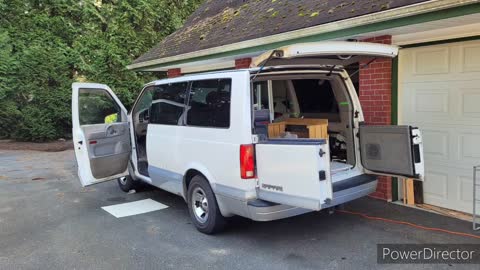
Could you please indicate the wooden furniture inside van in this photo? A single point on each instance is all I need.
(316, 128)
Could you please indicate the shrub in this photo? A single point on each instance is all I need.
(45, 46)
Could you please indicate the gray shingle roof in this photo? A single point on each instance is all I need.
(221, 22)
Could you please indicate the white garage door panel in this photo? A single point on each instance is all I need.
(449, 187)
(435, 143)
(470, 99)
(454, 102)
(458, 144)
(439, 91)
(431, 61)
(470, 58)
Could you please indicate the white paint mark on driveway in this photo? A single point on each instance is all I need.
(134, 208)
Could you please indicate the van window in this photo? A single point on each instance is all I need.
(168, 103)
(145, 100)
(260, 96)
(141, 111)
(315, 96)
(97, 107)
(210, 103)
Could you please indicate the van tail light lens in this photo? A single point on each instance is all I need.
(247, 161)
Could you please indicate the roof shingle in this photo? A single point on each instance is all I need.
(221, 22)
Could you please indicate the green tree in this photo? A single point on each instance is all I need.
(45, 45)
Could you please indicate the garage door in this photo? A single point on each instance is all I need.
(439, 91)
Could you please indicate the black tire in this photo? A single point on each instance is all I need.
(127, 183)
(213, 221)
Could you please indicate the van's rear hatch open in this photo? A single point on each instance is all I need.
(329, 53)
(297, 172)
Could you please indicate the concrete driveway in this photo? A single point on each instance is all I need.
(47, 221)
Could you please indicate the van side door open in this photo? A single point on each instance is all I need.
(392, 150)
(295, 172)
(101, 136)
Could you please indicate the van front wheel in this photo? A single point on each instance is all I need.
(203, 207)
(126, 183)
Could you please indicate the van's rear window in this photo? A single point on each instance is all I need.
(315, 96)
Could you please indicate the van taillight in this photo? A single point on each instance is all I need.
(247, 161)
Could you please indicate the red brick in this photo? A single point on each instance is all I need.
(174, 72)
(243, 63)
(375, 81)
(376, 75)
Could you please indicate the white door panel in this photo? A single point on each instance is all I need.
(294, 174)
(392, 150)
(439, 92)
(101, 134)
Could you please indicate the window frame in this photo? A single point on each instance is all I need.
(187, 105)
(145, 87)
(140, 96)
(302, 111)
(181, 119)
(122, 120)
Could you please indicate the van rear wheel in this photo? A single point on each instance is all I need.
(203, 207)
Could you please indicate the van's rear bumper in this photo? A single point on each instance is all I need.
(343, 191)
(260, 210)
(352, 188)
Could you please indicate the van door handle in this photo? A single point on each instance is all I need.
(322, 175)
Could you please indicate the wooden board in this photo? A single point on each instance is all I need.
(317, 128)
(418, 190)
(446, 212)
(276, 129)
(410, 192)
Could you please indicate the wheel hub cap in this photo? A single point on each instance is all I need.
(200, 205)
(123, 180)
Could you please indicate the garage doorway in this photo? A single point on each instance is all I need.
(439, 91)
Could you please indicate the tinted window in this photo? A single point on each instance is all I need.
(145, 101)
(210, 103)
(315, 96)
(168, 103)
(96, 106)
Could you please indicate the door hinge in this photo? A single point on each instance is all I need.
(321, 153)
(322, 175)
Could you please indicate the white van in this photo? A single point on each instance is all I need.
(208, 137)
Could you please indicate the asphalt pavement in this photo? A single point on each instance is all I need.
(48, 221)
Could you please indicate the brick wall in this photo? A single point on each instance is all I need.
(376, 99)
(243, 63)
(174, 72)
